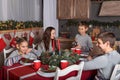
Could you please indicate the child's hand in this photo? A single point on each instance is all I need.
(89, 58)
(23, 55)
(78, 47)
(29, 50)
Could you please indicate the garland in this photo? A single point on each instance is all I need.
(103, 24)
(11, 24)
(93, 22)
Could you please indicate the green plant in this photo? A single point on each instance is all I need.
(48, 58)
(12, 24)
(72, 23)
(103, 24)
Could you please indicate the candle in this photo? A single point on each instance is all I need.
(53, 45)
(58, 44)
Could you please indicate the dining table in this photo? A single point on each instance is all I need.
(26, 72)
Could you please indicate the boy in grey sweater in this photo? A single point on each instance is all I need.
(106, 62)
(83, 40)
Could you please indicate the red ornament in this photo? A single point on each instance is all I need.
(2, 44)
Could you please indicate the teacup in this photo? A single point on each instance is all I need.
(78, 51)
(64, 64)
(36, 64)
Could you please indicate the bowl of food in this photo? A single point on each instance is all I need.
(26, 61)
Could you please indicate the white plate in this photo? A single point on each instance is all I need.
(84, 55)
(44, 74)
(82, 59)
(21, 62)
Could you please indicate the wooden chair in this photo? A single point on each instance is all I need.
(116, 73)
(69, 69)
(7, 51)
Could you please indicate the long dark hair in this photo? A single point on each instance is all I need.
(47, 37)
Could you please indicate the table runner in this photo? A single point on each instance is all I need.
(12, 69)
(17, 72)
(5, 72)
(23, 72)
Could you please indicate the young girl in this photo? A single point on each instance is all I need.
(22, 52)
(48, 41)
(83, 40)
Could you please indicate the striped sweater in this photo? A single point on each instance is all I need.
(15, 57)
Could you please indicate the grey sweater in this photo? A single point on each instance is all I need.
(14, 57)
(105, 64)
(84, 41)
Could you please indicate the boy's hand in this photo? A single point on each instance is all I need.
(29, 50)
(78, 47)
(89, 58)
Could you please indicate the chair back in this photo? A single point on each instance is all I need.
(34, 46)
(63, 72)
(116, 73)
(7, 51)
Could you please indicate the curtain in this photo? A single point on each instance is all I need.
(0, 9)
(49, 14)
(21, 10)
(3, 9)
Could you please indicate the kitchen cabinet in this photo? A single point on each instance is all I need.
(73, 9)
